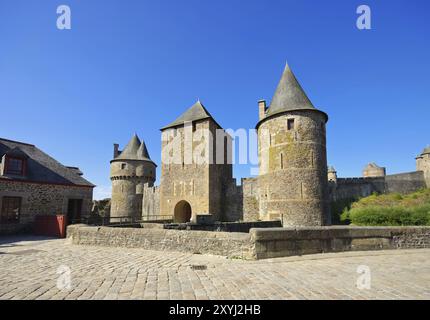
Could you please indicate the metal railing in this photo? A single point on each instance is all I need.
(122, 221)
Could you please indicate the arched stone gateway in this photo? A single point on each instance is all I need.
(182, 212)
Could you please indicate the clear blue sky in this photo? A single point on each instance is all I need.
(134, 66)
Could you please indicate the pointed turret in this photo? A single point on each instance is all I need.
(293, 157)
(131, 171)
(130, 150)
(426, 151)
(289, 96)
(143, 153)
(196, 112)
(332, 174)
(134, 150)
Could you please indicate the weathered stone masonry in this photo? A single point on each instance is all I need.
(258, 243)
(43, 199)
(294, 184)
(132, 171)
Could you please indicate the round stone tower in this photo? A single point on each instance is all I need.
(131, 169)
(332, 174)
(292, 154)
(423, 164)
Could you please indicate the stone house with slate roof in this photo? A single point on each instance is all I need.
(33, 183)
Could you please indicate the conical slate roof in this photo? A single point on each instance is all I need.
(289, 95)
(426, 151)
(196, 112)
(142, 152)
(134, 150)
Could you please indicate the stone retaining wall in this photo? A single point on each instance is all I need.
(233, 245)
(259, 243)
(282, 242)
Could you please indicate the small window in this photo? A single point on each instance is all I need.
(290, 124)
(123, 166)
(15, 166)
(11, 209)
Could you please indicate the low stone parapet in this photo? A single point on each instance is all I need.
(259, 243)
(233, 245)
(282, 242)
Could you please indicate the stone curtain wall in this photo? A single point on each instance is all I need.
(151, 204)
(355, 188)
(283, 242)
(251, 203)
(233, 245)
(233, 203)
(259, 243)
(43, 199)
(240, 203)
(405, 182)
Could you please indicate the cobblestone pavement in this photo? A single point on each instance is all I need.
(31, 268)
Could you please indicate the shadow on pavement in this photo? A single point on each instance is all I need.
(19, 240)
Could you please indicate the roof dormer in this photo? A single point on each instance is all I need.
(14, 163)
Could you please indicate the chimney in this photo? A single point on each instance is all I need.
(115, 150)
(261, 109)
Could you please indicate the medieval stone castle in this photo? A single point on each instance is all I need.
(294, 184)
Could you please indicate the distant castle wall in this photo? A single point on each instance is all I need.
(405, 182)
(242, 201)
(355, 188)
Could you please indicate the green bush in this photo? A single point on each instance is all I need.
(388, 210)
(388, 216)
(338, 208)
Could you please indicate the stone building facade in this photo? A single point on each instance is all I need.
(32, 183)
(193, 179)
(294, 184)
(372, 170)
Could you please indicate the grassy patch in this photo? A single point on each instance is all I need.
(390, 210)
